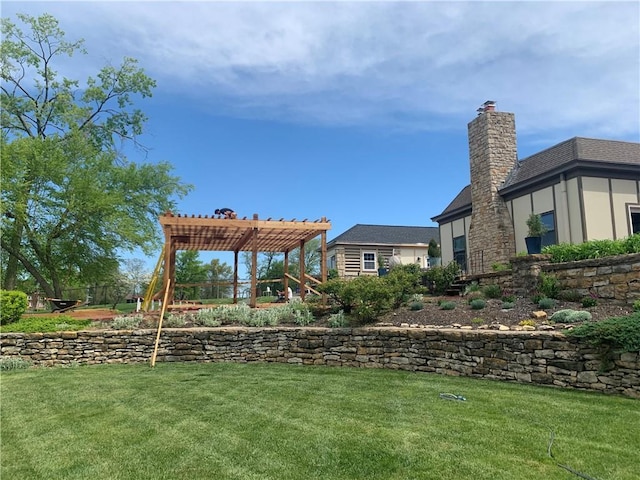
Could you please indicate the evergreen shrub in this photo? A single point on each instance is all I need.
(12, 305)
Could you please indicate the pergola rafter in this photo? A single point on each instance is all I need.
(253, 235)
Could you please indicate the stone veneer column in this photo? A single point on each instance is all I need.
(493, 154)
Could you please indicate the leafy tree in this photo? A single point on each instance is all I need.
(217, 272)
(70, 198)
(190, 269)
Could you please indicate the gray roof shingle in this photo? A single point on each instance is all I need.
(560, 157)
(387, 235)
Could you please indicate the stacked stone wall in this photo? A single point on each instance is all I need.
(543, 358)
(615, 279)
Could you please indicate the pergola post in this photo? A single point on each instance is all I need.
(254, 265)
(323, 260)
(285, 267)
(302, 274)
(235, 276)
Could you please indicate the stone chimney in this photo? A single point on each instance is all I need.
(492, 155)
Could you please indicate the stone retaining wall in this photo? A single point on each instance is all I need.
(615, 279)
(543, 358)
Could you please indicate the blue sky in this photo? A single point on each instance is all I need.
(355, 111)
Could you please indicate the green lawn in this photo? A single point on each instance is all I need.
(272, 421)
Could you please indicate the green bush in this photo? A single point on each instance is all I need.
(492, 291)
(508, 305)
(364, 298)
(546, 303)
(414, 306)
(12, 305)
(566, 252)
(636, 306)
(403, 281)
(548, 286)
(42, 324)
(618, 334)
(500, 267)
(440, 278)
(589, 302)
(447, 305)
(477, 304)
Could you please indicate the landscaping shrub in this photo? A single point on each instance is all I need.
(527, 323)
(548, 286)
(12, 305)
(589, 302)
(130, 322)
(174, 320)
(492, 291)
(546, 303)
(447, 305)
(508, 305)
(618, 334)
(338, 320)
(364, 298)
(403, 281)
(565, 252)
(13, 363)
(472, 287)
(207, 317)
(636, 306)
(440, 278)
(570, 316)
(414, 306)
(477, 304)
(53, 323)
(477, 321)
(500, 267)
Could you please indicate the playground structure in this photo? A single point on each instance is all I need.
(204, 233)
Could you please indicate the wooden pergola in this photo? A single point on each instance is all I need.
(204, 233)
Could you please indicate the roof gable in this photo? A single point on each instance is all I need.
(387, 235)
(575, 152)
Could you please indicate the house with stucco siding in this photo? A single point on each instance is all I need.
(584, 189)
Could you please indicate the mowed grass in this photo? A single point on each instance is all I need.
(272, 421)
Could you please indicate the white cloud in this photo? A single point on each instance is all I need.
(562, 65)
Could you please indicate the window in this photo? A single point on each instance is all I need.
(460, 251)
(549, 221)
(634, 217)
(369, 261)
(332, 262)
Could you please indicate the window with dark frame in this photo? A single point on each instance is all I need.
(549, 221)
(634, 216)
(460, 251)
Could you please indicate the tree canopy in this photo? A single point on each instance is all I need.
(71, 200)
